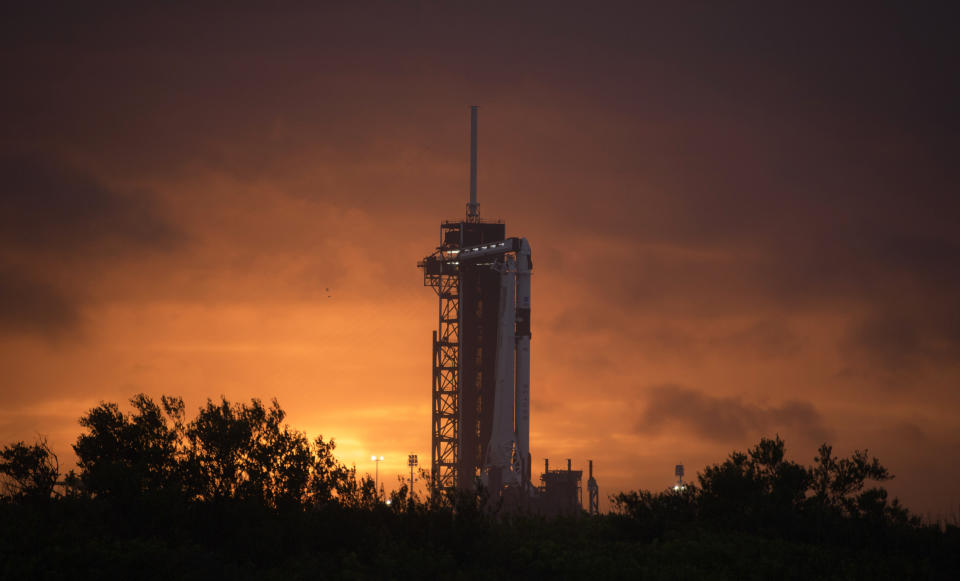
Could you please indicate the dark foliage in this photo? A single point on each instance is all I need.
(229, 451)
(127, 456)
(30, 471)
(234, 493)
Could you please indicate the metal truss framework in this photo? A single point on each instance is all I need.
(446, 383)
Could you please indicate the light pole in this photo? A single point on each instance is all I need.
(376, 482)
(412, 463)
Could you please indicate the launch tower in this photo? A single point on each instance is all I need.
(481, 351)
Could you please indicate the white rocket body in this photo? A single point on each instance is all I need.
(503, 436)
(508, 451)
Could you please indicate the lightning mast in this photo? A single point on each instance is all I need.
(473, 208)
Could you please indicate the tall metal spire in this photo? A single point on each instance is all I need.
(473, 208)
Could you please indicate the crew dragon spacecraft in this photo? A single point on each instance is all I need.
(481, 352)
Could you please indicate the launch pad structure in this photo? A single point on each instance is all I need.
(480, 418)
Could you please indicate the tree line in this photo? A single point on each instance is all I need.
(239, 451)
(761, 491)
(234, 491)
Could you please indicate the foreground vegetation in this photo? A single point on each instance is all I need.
(235, 493)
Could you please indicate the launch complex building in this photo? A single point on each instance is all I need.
(480, 421)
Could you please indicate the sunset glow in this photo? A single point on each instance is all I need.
(728, 242)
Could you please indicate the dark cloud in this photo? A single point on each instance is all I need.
(61, 228)
(726, 419)
(766, 339)
(895, 343)
(893, 283)
(911, 432)
(48, 208)
(33, 306)
(657, 337)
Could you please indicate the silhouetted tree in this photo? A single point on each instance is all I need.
(400, 499)
(838, 486)
(235, 451)
(654, 514)
(759, 489)
(329, 478)
(357, 492)
(245, 451)
(131, 454)
(30, 472)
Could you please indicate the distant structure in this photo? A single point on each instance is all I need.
(412, 462)
(480, 420)
(678, 473)
(594, 493)
(560, 493)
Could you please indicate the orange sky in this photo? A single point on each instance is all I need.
(743, 223)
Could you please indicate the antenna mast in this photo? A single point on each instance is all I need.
(473, 208)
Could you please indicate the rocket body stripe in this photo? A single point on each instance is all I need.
(522, 390)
